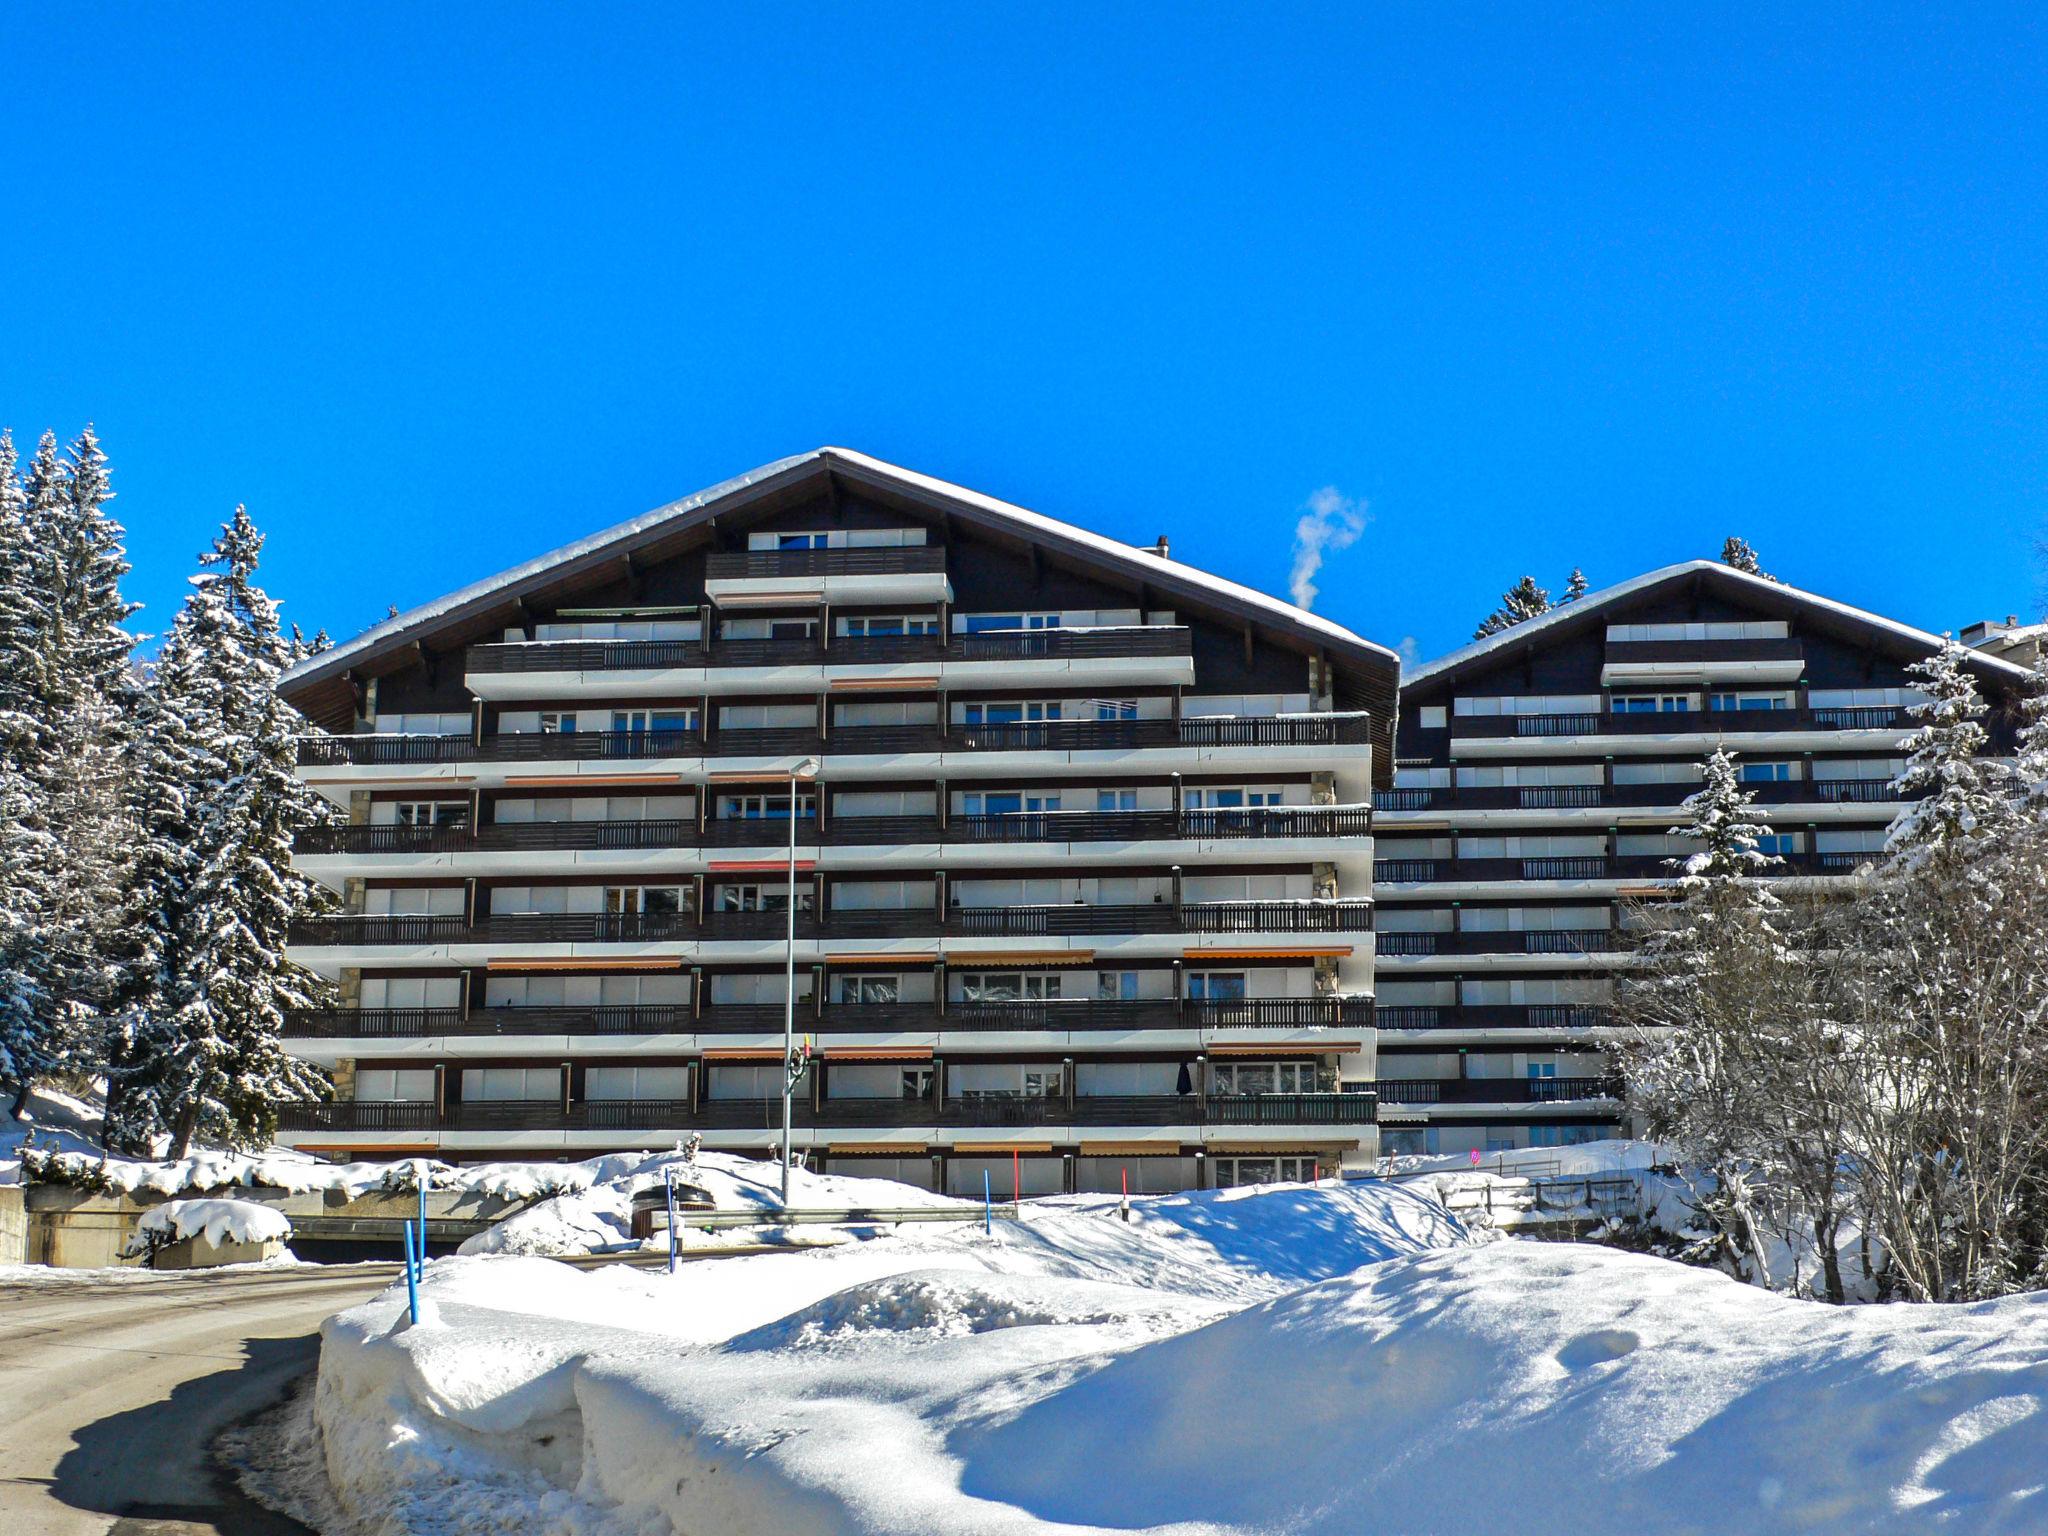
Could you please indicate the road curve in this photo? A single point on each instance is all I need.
(113, 1389)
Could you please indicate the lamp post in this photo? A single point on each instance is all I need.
(807, 769)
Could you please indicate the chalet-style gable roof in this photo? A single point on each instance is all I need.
(449, 621)
(1761, 593)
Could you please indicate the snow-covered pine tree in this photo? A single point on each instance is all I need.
(2030, 757)
(1956, 789)
(1736, 552)
(1520, 603)
(82, 697)
(28, 859)
(1574, 586)
(216, 887)
(1721, 819)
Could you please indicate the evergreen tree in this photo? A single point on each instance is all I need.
(1737, 552)
(1721, 821)
(215, 891)
(2030, 760)
(1574, 586)
(27, 859)
(1520, 603)
(78, 696)
(1957, 791)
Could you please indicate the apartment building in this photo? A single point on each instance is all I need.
(1538, 775)
(1082, 867)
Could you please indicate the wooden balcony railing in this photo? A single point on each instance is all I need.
(967, 1112)
(1625, 796)
(1496, 1016)
(778, 564)
(1494, 1090)
(1678, 722)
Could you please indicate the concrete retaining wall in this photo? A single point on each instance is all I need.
(13, 1225)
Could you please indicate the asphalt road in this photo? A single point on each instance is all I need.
(112, 1392)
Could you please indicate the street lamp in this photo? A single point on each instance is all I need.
(792, 1069)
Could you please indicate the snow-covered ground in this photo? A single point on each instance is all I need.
(1335, 1359)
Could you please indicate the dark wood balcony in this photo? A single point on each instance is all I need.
(415, 1023)
(1077, 919)
(782, 564)
(368, 748)
(975, 1111)
(1592, 866)
(1511, 941)
(1564, 1016)
(1624, 796)
(1682, 722)
(1493, 1090)
(1642, 652)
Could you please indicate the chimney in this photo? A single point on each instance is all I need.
(1159, 549)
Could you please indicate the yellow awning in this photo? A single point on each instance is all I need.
(1022, 957)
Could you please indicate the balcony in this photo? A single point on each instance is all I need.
(1563, 1016)
(370, 749)
(1495, 1090)
(421, 1023)
(1679, 722)
(810, 564)
(1071, 920)
(977, 1111)
(1634, 867)
(1511, 941)
(1495, 797)
(1256, 824)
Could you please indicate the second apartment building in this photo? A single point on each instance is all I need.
(1538, 776)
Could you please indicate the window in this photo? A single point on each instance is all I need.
(763, 1080)
(1116, 800)
(646, 900)
(1011, 713)
(1248, 1077)
(1008, 1080)
(432, 813)
(1008, 987)
(1542, 1071)
(1656, 773)
(803, 540)
(1116, 986)
(986, 623)
(877, 1080)
(1653, 703)
(638, 722)
(1430, 717)
(1008, 802)
(1740, 629)
(768, 807)
(889, 624)
(1217, 986)
(636, 1082)
(863, 990)
(556, 722)
(1231, 1172)
(1116, 709)
(395, 1085)
(1781, 843)
(481, 1085)
(760, 898)
(1769, 773)
(1749, 700)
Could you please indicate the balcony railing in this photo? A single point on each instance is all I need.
(1495, 797)
(1681, 722)
(417, 1023)
(779, 564)
(1523, 941)
(967, 1111)
(1076, 919)
(1565, 1016)
(1633, 866)
(1494, 1090)
(1258, 823)
(1326, 730)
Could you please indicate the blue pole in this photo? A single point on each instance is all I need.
(412, 1286)
(421, 1250)
(988, 1209)
(671, 1224)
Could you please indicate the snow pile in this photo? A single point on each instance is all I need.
(220, 1222)
(1317, 1361)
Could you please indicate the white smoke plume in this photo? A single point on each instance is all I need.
(1331, 522)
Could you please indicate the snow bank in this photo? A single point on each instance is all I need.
(218, 1221)
(1318, 1361)
(612, 1400)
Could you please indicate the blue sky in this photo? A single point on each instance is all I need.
(433, 288)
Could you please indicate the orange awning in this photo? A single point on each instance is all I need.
(1167, 1148)
(759, 866)
(591, 780)
(878, 1053)
(756, 776)
(883, 685)
(1002, 1146)
(877, 1148)
(742, 1053)
(1315, 1047)
(878, 957)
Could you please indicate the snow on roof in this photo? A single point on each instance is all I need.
(1517, 633)
(1136, 557)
